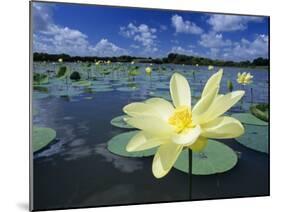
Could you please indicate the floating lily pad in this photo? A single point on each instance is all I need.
(118, 143)
(107, 89)
(127, 89)
(39, 95)
(260, 111)
(248, 118)
(67, 92)
(100, 83)
(62, 73)
(82, 83)
(41, 137)
(255, 137)
(40, 78)
(161, 94)
(215, 158)
(162, 86)
(119, 122)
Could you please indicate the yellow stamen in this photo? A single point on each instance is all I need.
(181, 119)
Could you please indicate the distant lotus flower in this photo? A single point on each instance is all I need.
(60, 60)
(133, 62)
(108, 62)
(197, 65)
(210, 67)
(172, 127)
(148, 70)
(97, 63)
(244, 78)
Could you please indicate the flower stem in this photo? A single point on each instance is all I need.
(252, 95)
(190, 173)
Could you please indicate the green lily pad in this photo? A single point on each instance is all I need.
(119, 122)
(107, 89)
(127, 89)
(260, 111)
(39, 95)
(161, 94)
(215, 158)
(82, 83)
(62, 73)
(41, 137)
(40, 78)
(255, 137)
(118, 143)
(248, 118)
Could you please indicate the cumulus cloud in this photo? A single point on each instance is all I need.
(248, 50)
(185, 26)
(51, 38)
(142, 34)
(221, 23)
(181, 50)
(104, 47)
(214, 40)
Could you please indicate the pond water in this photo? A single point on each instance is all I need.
(77, 170)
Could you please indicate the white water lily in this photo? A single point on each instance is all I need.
(244, 78)
(60, 60)
(172, 127)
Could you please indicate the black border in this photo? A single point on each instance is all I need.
(31, 208)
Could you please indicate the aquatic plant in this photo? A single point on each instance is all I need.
(174, 127)
(75, 76)
(40, 78)
(148, 70)
(244, 78)
(229, 85)
(260, 111)
(210, 67)
(62, 72)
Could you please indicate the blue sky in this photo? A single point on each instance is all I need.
(112, 31)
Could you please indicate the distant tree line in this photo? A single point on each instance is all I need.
(171, 58)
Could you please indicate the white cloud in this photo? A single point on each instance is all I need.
(54, 39)
(142, 34)
(214, 40)
(106, 48)
(221, 23)
(248, 50)
(185, 26)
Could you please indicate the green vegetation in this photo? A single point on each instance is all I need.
(171, 58)
(215, 158)
(75, 76)
(41, 137)
(39, 78)
(62, 72)
(260, 111)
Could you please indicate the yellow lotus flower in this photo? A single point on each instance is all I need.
(148, 70)
(210, 67)
(172, 127)
(60, 60)
(244, 78)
